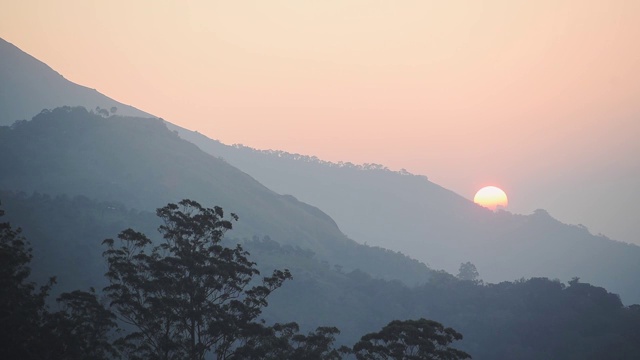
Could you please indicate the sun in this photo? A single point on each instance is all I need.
(491, 197)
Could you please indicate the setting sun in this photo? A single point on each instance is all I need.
(491, 197)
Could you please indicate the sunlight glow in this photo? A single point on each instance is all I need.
(491, 197)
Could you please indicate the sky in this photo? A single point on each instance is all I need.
(540, 98)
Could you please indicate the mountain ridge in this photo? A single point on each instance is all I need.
(29, 86)
(410, 214)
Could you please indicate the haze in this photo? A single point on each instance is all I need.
(539, 98)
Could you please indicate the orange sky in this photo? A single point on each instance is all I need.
(537, 97)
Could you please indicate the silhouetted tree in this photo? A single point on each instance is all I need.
(83, 329)
(410, 340)
(22, 305)
(28, 330)
(283, 341)
(189, 295)
(102, 112)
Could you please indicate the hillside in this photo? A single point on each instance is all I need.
(139, 163)
(410, 214)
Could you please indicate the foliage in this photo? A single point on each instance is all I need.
(83, 328)
(189, 295)
(22, 305)
(283, 341)
(28, 330)
(410, 340)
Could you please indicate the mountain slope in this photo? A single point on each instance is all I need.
(139, 163)
(29, 85)
(410, 214)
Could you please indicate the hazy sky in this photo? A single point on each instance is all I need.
(541, 98)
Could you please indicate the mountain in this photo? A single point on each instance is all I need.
(372, 205)
(410, 214)
(29, 85)
(138, 162)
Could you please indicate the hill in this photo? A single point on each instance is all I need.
(139, 163)
(410, 214)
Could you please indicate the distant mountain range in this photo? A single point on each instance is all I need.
(394, 210)
(410, 214)
(72, 177)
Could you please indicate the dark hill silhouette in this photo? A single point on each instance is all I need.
(29, 85)
(410, 214)
(139, 163)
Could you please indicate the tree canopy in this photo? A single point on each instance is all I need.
(410, 340)
(189, 295)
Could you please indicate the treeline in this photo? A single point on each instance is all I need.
(315, 160)
(535, 318)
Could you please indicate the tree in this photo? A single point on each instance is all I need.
(28, 330)
(468, 272)
(22, 305)
(283, 341)
(410, 340)
(317, 345)
(83, 329)
(102, 112)
(189, 295)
